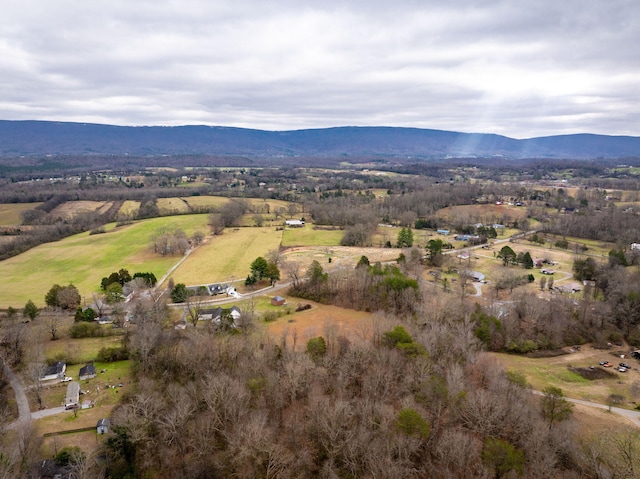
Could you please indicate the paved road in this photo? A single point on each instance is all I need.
(632, 416)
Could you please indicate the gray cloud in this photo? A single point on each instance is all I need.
(516, 68)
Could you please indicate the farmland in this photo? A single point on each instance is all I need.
(84, 259)
(227, 257)
(10, 213)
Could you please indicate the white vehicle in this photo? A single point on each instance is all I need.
(66, 379)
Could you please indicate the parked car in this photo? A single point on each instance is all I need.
(66, 379)
(624, 365)
(622, 370)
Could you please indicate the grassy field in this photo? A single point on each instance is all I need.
(10, 213)
(172, 205)
(259, 205)
(129, 208)
(79, 351)
(85, 259)
(543, 372)
(227, 257)
(310, 236)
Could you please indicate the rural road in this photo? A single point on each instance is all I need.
(633, 416)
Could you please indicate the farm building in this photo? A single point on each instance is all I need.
(87, 372)
(55, 371)
(278, 301)
(73, 395)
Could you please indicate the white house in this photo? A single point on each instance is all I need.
(55, 371)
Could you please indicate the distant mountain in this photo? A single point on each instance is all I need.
(39, 138)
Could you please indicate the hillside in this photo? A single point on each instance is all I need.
(39, 138)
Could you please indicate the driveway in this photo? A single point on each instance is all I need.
(47, 412)
(24, 413)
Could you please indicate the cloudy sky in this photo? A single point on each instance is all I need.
(520, 68)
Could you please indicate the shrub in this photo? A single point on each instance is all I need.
(86, 330)
(316, 347)
(69, 455)
(112, 354)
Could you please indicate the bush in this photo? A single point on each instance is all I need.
(271, 315)
(86, 330)
(316, 347)
(110, 355)
(69, 455)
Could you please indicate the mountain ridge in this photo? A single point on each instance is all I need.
(33, 138)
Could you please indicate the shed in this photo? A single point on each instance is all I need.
(87, 372)
(103, 426)
(278, 301)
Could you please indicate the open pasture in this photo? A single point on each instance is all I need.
(11, 213)
(172, 206)
(257, 205)
(310, 235)
(85, 259)
(227, 257)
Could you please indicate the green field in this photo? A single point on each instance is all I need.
(172, 205)
(227, 257)
(10, 213)
(308, 236)
(85, 259)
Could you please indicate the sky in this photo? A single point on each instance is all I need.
(518, 68)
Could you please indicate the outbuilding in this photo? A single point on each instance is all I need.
(278, 301)
(103, 426)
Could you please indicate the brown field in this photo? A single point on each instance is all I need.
(320, 320)
(341, 256)
(72, 208)
(130, 208)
